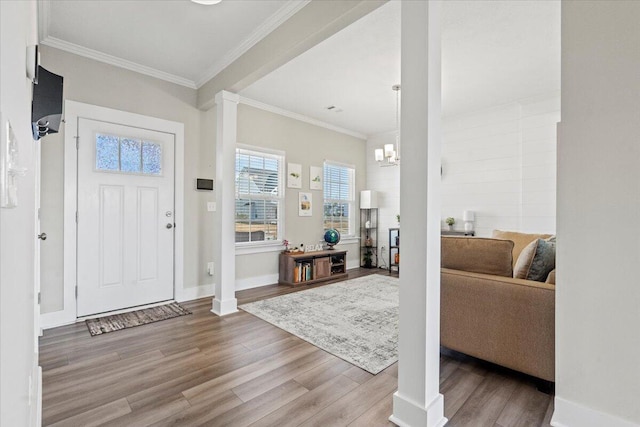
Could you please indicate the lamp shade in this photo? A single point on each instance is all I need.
(468, 216)
(368, 199)
(388, 150)
(379, 155)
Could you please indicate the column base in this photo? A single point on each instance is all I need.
(222, 308)
(407, 413)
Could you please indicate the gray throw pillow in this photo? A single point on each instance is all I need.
(536, 261)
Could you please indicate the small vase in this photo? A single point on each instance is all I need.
(451, 228)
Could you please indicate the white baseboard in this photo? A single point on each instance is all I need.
(35, 395)
(407, 413)
(56, 318)
(267, 279)
(571, 414)
(222, 308)
(195, 292)
(256, 281)
(65, 317)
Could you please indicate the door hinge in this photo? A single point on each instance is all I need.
(77, 142)
(76, 217)
(39, 298)
(76, 291)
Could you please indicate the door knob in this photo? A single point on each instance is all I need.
(169, 225)
(42, 236)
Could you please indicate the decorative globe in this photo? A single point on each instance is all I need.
(332, 237)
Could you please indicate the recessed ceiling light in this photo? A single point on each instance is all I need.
(207, 2)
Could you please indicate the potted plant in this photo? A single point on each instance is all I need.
(367, 259)
(398, 219)
(450, 221)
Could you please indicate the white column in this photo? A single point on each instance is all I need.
(224, 254)
(418, 401)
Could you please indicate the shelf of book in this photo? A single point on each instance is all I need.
(305, 268)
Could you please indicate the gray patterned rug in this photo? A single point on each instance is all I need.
(356, 320)
(116, 322)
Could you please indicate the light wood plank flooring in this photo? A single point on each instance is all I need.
(241, 371)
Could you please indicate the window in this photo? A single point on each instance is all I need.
(259, 196)
(339, 198)
(128, 155)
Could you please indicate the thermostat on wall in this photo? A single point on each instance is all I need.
(204, 184)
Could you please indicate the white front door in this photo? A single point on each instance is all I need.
(125, 216)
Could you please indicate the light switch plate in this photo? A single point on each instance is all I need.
(211, 206)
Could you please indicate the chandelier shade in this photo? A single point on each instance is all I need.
(391, 152)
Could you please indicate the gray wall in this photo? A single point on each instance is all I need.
(93, 82)
(100, 84)
(308, 145)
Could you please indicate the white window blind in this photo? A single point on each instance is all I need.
(339, 198)
(259, 196)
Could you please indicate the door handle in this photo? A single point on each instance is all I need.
(42, 236)
(169, 225)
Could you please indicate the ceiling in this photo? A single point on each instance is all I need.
(177, 40)
(493, 52)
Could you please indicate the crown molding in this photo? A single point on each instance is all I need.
(273, 22)
(300, 117)
(44, 19)
(115, 61)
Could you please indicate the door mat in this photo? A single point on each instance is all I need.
(116, 322)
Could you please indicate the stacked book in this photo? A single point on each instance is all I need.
(302, 272)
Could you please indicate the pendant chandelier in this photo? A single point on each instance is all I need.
(390, 155)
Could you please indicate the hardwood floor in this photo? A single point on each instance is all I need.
(241, 371)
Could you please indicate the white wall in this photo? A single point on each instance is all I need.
(18, 353)
(308, 145)
(93, 82)
(386, 181)
(499, 162)
(598, 297)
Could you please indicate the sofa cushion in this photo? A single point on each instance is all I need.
(520, 240)
(536, 260)
(477, 255)
(551, 278)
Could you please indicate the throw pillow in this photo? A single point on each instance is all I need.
(536, 261)
(520, 240)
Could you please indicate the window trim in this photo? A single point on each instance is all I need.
(352, 236)
(260, 246)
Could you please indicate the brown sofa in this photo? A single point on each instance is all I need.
(488, 314)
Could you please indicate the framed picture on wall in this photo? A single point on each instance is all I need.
(305, 207)
(294, 175)
(315, 178)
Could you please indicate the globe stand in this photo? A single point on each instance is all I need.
(332, 238)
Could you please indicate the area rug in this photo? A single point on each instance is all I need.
(116, 322)
(356, 320)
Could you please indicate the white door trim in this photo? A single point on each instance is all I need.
(73, 111)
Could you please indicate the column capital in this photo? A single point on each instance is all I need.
(225, 95)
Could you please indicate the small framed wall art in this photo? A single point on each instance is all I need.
(315, 178)
(294, 175)
(305, 207)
